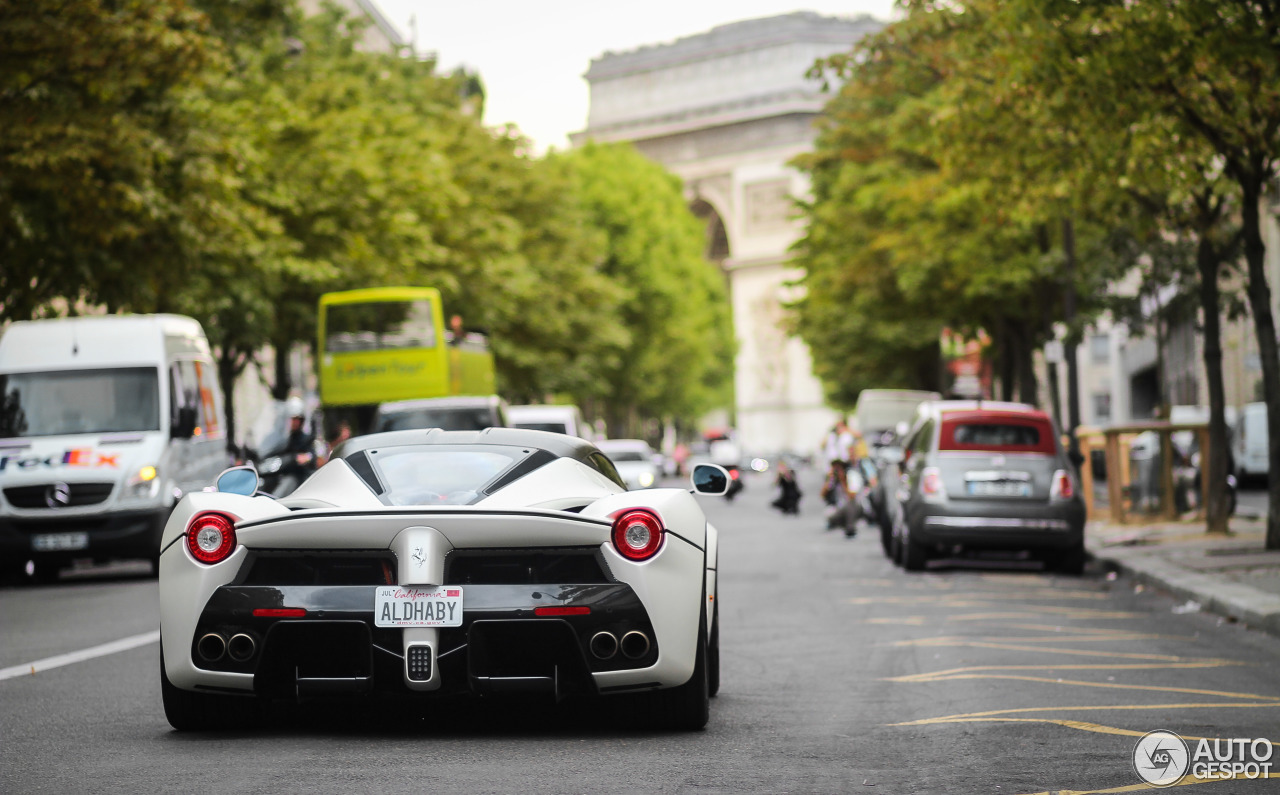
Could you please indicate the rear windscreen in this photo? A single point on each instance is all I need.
(997, 435)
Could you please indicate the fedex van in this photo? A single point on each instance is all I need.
(105, 422)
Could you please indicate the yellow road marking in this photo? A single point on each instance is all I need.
(914, 621)
(1185, 782)
(965, 717)
(953, 641)
(924, 677)
(1112, 685)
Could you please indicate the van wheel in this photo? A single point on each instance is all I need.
(44, 572)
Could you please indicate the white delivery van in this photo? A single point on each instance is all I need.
(1252, 447)
(557, 419)
(105, 422)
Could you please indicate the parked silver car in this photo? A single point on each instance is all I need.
(988, 476)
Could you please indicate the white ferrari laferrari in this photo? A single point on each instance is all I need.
(431, 564)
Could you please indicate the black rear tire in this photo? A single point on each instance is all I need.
(187, 711)
(914, 554)
(687, 707)
(713, 652)
(1071, 562)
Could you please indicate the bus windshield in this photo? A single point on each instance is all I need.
(379, 326)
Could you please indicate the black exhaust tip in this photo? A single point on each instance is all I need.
(604, 645)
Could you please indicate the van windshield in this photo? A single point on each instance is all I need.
(79, 401)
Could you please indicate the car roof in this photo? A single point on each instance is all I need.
(557, 444)
(986, 413)
(461, 401)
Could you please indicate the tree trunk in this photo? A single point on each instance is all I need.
(1265, 328)
(229, 369)
(1214, 460)
(1069, 344)
(1028, 388)
(280, 390)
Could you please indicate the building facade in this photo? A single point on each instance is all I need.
(727, 111)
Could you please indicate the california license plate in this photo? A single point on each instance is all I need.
(999, 488)
(406, 606)
(59, 542)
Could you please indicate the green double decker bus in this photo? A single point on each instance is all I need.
(391, 343)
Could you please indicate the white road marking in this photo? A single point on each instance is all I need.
(124, 644)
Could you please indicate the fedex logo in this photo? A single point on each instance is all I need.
(79, 457)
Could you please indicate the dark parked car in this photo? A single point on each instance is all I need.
(988, 476)
(462, 413)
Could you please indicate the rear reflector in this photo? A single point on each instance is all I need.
(279, 612)
(561, 611)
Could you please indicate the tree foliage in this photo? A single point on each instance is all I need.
(234, 159)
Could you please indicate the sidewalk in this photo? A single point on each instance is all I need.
(1231, 576)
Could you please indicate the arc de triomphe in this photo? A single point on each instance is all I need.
(725, 111)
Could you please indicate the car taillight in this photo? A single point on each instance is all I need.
(1062, 488)
(931, 484)
(211, 537)
(733, 473)
(637, 535)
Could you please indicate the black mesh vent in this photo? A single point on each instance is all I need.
(307, 567)
(524, 567)
(38, 496)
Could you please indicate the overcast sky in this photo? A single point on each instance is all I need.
(532, 54)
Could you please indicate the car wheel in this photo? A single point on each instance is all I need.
(1071, 562)
(886, 540)
(44, 572)
(914, 555)
(687, 707)
(188, 711)
(713, 652)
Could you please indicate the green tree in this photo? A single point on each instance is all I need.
(678, 360)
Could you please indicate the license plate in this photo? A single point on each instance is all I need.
(405, 606)
(999, 488)
(60, 542)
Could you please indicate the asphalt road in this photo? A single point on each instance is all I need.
(841, 673)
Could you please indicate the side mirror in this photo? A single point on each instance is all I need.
(184, 426)
(710, 479)
(239, 480)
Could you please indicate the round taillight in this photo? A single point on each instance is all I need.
(637, 535)
(211, 537)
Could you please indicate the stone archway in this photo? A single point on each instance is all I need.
(727, 111)
(717, 248)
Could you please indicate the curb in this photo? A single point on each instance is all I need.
(1250, 606)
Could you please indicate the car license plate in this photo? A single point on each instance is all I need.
(999, 488)
(60, 542)
(406, 606)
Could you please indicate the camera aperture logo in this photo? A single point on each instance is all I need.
(1162, 758)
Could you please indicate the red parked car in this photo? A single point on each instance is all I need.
(981, 476)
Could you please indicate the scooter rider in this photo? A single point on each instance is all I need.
(298, 454)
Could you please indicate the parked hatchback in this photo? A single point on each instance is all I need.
(980, 476)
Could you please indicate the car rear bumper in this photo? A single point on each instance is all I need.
(990, 526)
(502, 647)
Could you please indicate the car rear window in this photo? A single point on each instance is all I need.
(1003, 435)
